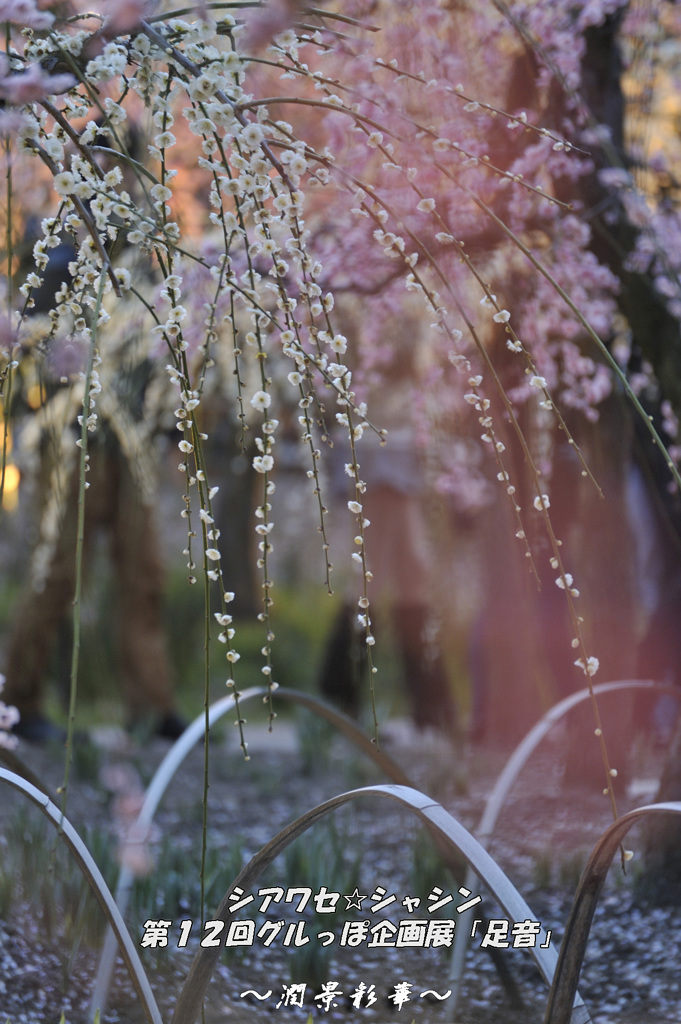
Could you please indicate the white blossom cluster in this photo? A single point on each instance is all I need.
(9, 716)
(263, 305)
(267, 297)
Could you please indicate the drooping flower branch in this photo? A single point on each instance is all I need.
(233, 176)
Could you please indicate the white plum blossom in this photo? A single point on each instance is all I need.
(591, 666)
(252, 136)
(261, 400)
(263, 463)
(64, 183)
(538, 382)
(124, 278)
(9, 716)
(339, 344)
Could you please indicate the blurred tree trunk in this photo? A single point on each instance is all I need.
(657, 337)
(232, 470)
(504, 658)
(602, 541)
(661, 878)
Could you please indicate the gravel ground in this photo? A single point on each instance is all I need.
(542, 838)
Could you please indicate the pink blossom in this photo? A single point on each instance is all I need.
(34, 84)
(10, 122)
(122, 16)
(25, 13)
(274, 18)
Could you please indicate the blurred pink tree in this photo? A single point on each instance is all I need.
(296, 173)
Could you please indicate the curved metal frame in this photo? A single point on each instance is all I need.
(438, 820)
(508, 776)
(93, 877)
(172, 761)
(573, 946)
(531, 741)
(564, 1006)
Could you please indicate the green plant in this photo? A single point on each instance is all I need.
(427, 870)
(87, 759)
(331, 858)
(310, 964)
(570, 869)
(7, 887)
(174, 885)
(543, 869)
(45, 876)
(314, 736)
